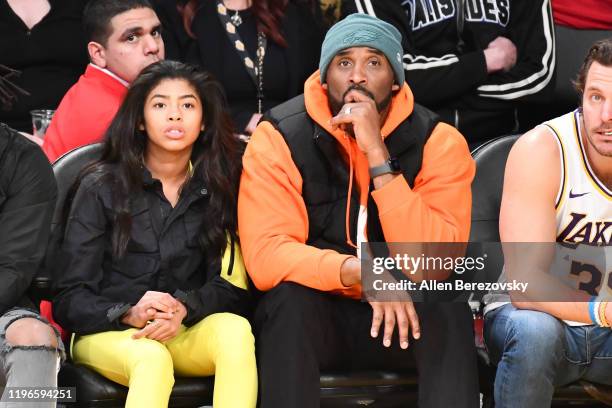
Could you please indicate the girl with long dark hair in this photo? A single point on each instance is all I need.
(261, 51)
(152, 280)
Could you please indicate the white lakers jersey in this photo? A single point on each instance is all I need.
(583, 211)
(583, 251)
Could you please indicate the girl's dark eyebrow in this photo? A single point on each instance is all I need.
(167, 97)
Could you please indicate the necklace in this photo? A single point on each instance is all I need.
(253, 64)
(261, 53)
(236, 19)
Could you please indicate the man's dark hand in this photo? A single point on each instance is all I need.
(390, 313)
(361, 114)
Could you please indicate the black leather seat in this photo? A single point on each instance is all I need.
(487, 186)
(66, 168)
(384, 389)
(93, 390)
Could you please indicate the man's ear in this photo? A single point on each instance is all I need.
(324, 86)
(141, 127)
(395, 87)
(97, 54)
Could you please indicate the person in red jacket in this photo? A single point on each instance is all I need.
(124, 37)
(353, 161)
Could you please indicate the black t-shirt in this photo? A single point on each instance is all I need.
(50, 56)
(240, 89)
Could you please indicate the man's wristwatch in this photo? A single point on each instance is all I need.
(391, 166)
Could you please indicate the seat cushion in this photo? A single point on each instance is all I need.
(338, 379)
(363, 388)
(337, 388)
(93, 390)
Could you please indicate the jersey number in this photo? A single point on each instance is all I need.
(579, 268)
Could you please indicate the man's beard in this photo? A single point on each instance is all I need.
(590, 135)
(335, 105)
(598, 149)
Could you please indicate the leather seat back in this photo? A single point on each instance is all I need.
(66, 170)
(487, 190)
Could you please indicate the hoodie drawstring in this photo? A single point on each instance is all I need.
(348, 197)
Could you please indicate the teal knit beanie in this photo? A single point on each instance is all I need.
(362, 30)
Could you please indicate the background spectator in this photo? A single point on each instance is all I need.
(578, 24)
(124, 37)
(29, 348)
(472, 68)
(331, 11)
(194, 32)
(44, 40)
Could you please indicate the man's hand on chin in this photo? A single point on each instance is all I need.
(361, 114)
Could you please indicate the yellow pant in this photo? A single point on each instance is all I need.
(221, 345)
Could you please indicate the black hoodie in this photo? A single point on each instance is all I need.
(448, 74)
(27, 199)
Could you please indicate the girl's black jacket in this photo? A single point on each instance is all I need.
(94, 288)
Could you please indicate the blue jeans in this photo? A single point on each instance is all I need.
(536, 352)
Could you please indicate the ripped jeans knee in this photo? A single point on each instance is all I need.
(34, 361)
(14, 315)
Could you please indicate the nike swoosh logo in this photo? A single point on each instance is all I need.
(572, 195)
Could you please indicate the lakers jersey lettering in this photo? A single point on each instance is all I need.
(580, 231)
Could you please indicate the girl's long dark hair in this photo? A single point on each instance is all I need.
(216, 156)
(268, 14)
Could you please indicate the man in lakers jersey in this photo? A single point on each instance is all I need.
(558, 189)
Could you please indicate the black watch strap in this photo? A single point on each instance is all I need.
(391, 166)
